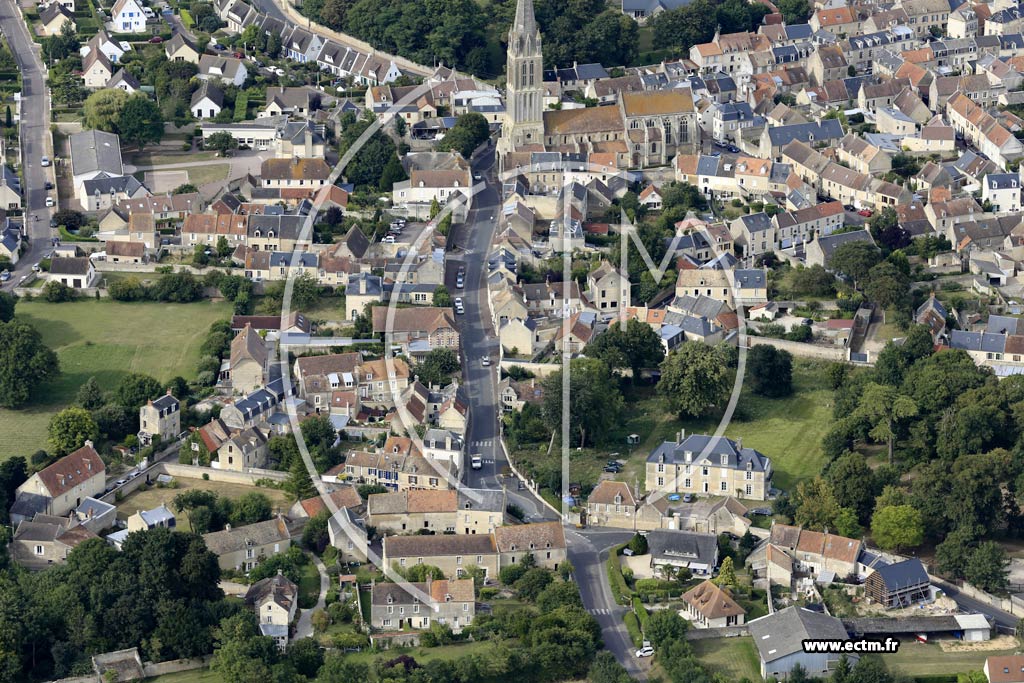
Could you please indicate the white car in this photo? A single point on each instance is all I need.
(45, 161)
(646, 651)
(49, 201)
(476, 462)
(388, 239)
(486, 361)
(458, 302)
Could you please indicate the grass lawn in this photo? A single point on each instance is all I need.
(922, 659)
(194, 676)
(734, 657)
(153, 497)
(156, 158)
(364, 605)
(309, 586)
(201, 175)
(788, 430)
(422, 655)
(108, 340)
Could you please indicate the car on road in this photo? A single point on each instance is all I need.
(53, 222)
(36, 268)
(733, 149)
(458, 302)
(218, 46)
(5, 276)
(687, 497)
(460, 282)
(719, 144)
(45, 161)
(485, 361)
(49, 185)
(477, 176)
(49, 201)
(476, 462)
(715, 154)
(646, 651)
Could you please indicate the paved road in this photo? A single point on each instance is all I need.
(35, 138)
(304, 628)
(588, 552)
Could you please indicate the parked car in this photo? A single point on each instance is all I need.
(733, 149)
(156, 40)
(485, 361)
(49, 201)
(687, 497)
(36, 268)
(613, 469)
(238, 55)
(807, 321)
(646, 651)
(278, 71)
(49, 185)
(867, 213)
(5, 276)
(849, 207)
(44, 161)
(388, 239)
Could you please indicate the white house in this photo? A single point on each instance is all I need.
(226, 69)
(128, 16)
(1002, 191)
(207, 101)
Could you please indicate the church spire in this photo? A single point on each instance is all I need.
(525, 22)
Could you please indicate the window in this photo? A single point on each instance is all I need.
(401, 562)
(458, 559)
(686, 483)
(661, 481)
(725, 486)
(39, 550)
(749, 489)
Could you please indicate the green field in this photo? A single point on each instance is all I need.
(736, 658)
(108, 340)
(924, 659)
(309, 586)
(194, 676)
(788, 430)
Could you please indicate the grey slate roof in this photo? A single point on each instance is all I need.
(828, 129)
(903, 574)
(751, 277)
(682, 545)
(1002, 181)
(782, 634)
(829, 243)
(756, 222)
(95, 150)
(107, 184)
(1001, 324)
(695, 444)
(208, 89)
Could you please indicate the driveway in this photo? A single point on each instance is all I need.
(304, 629)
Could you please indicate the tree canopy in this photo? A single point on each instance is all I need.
(694, 378)
(25, 362)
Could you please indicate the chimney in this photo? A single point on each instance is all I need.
(88, 443)
(227, 527)
(308, 138)
(362, 284)
(448, 441)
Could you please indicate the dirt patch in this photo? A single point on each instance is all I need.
(997, 643)
(160, 182)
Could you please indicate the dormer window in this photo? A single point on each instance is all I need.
(725, 460)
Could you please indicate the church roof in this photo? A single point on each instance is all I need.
(588, 120)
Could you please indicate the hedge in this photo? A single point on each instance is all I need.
(655, 585)
(69, 237)
(633, 626)
(241, 106)
(186, 19)
(620, 591)
(641, 612)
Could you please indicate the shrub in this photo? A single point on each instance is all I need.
(641, 612)
(633, 626)
(615, 578)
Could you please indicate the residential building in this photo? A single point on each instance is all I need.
(704, 464)
(428, 326)
(396, 607)
(607, 289)
(227, 70)
(207, 101)
(275, 601)
(249, 358)
(819, 251)
(160, 417)
(452, 554)
(242, 548)
(544, 541)
(691, 550)
(613, 504)
(180, 49)
(46, 540)
(62, 486)
(127, 16)
(1002, 192)
(1004, 668)
(144, 520)
(708, 606)
(76, 272)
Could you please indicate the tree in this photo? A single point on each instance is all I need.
(638, 544)
(664, 625)
(141, 121)
(393, 172)
(897, 527)
(886, 230)
(135, 389)
(816, 506)
(794, 11)
(693, 379)
(70, 428)
(886, 409)
(7, 303)
(223, 247)
(241, 654)
(306, 656)
(69, 218)
(954, 553)
(442, 298)
(435, 208)
(530, 584)
(468, 133)
(222, 141)
(847, 524)
(853, 484)
(299, 484)
(305, 291)
(769, 371)
(102, 109)
(854, 259)
(637, 346)
(57, 292)
(595, 402)
(726, 574)
(987, 567)
(437, 367)
(606, 669)
(25, 363)
(886, 285)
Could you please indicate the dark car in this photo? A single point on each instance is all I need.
(156, 40)
(733, 149)
(807, 321)
(613, 469)
(849, 207)
(49, 185)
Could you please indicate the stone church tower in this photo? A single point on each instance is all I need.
(523, 125)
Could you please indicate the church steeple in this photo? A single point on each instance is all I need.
(524, 84)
